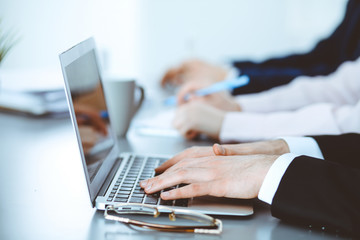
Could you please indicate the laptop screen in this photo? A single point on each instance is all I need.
(88, 110)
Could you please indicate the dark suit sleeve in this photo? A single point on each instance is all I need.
(326, 56)
(344, 149)
(319, 193)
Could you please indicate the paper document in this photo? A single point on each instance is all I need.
(33, 92)
(158, 125)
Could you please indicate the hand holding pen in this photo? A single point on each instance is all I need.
(205, 112)
(196, 89)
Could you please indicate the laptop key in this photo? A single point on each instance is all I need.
(140, 191)
(128, 181)
(138, 195)
(132, 175)
(181, 202)
(166, 202)
(135, 200)
(124, 192)
(151, 200)
(123, 200)
(122, 195)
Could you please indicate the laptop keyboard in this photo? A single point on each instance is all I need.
(128, 190)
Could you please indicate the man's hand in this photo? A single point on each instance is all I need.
(221, 100)
(194, 70)
(219, 176)
(271, 147)
(196, 117)
(193, 152)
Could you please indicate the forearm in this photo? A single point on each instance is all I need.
(343, 149)
(296, 146)
(244, 127)
(313, 192)
(341, 87)
(298, 61)
(319, 193)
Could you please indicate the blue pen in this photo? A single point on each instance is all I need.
(216, 87)
(104, 114)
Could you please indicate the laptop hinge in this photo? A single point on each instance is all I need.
(110, 177)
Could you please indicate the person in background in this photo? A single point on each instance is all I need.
(342, 45)
(312, 181)
(306, 106)
(309, 105)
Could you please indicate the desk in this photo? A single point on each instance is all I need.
(44, 195)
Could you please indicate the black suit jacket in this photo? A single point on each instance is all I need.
(323, 193)
(342, 45)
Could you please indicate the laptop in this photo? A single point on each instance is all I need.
(112, 176)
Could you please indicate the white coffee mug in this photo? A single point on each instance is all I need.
(121, 103)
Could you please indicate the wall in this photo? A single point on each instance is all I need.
(218, 30)
(144, 37)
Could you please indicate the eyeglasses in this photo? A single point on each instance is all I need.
(209, 224)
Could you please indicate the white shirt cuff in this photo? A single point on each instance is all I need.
(304, 146)
(232, 73)
(273, 177)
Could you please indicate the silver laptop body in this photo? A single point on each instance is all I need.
(113, 177)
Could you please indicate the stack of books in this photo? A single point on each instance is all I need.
(36, 103)
(34, 93)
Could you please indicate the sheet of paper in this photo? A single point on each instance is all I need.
(158, 125)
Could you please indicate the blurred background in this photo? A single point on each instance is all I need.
(142, 38)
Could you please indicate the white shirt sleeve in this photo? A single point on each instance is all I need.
(339, 88)
(303, 146)
(316, 119)
(273, 177)
(298, 146)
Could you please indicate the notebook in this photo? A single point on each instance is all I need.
(112, 176)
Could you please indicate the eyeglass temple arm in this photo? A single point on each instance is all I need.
(214, 229)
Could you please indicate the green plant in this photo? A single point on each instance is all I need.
(6, 42)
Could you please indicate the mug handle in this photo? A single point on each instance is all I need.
(142, 97)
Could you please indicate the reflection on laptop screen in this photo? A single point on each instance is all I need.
(90, 110)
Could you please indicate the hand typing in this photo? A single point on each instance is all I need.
(232, 170)
(194, 70)
(219, 176)
(270, 147)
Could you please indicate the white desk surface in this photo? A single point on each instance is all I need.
(44, 195)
